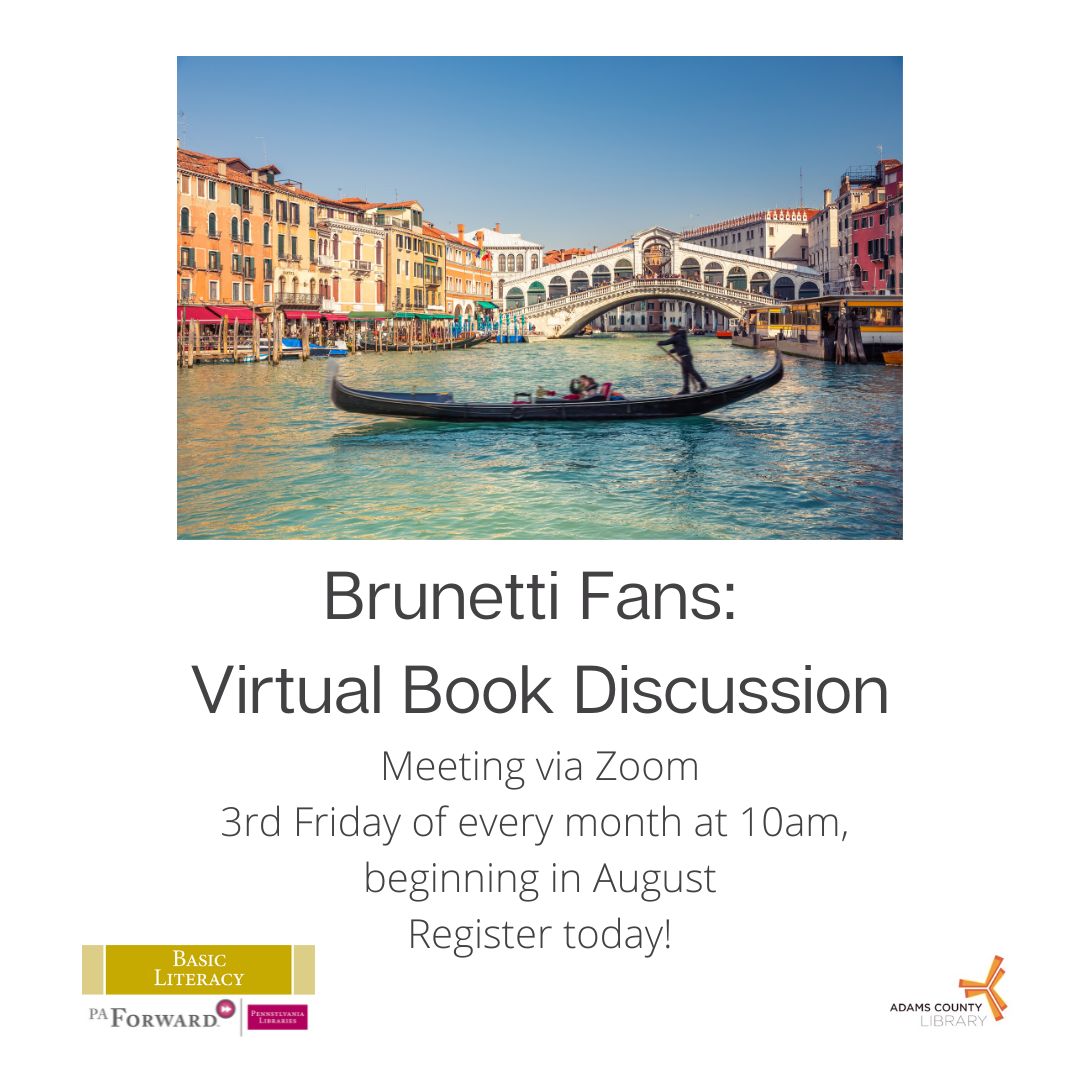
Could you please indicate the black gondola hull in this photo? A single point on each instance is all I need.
(443, 407)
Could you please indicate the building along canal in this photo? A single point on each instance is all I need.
(263, 454)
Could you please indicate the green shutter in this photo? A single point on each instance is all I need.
(311, 250)
(281, 245)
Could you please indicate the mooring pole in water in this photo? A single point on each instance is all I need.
(305, 336)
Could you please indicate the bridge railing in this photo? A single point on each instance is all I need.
(636, 285)
(734, 257)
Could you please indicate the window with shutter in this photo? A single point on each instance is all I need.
(212, 190)
(281, 245)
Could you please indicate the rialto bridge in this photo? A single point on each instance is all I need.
(562, 298)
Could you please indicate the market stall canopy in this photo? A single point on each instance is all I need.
(231, 313)
(297, 314)
(486, 304)
(334, 316)
(371, 315)
(194, 313)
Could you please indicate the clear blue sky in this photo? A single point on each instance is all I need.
(569, 151)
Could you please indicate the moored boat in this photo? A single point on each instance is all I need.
(427, 346)
(723, 333)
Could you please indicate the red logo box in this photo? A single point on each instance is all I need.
(277, 1018)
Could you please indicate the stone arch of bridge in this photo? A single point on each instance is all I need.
(600, 307)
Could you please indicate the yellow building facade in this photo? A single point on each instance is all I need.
(351, 257)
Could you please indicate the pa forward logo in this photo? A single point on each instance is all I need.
(967, 1013)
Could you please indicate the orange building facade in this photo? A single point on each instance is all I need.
(467, 273)
(243, 239)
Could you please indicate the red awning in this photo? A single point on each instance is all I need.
(334, 317)
(297, 314)
(195, 313)
(232, 313)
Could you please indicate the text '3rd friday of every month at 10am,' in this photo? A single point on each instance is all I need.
(533, 828)
(598, 689)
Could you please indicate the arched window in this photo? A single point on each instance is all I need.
(247, 232)
(536, 293)
(579, 282)
(521, 264)
(358, 248)
(690, 269)
(336, 248)
(515, 298)
(378, 253)
(759, 283)
(266, 233)
(502, 262)
(601, 275)
(557, 287)
(185, 219)
(808, 290)
(623, 269)
(784, 288)
(212, 224)
(235, 229)
(534, 262)
(714, 274)
(736, 278)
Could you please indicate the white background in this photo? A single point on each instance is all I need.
(957, 803)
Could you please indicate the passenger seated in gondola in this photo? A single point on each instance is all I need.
(586, 389)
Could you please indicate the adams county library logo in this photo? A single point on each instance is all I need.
(965, 1013)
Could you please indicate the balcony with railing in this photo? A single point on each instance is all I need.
(188, 230)
(326, 261)
(215, 235)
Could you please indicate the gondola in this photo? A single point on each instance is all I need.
(426, 346)
(443, 406)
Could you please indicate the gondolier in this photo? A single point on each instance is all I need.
(681, 351)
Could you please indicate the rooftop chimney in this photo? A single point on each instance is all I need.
(254, 176)
(496, 226)
(222, 168)
(828, 196)
(461, 234)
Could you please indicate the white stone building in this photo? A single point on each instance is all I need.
(768, 234)
(510, 254)
(824, 250)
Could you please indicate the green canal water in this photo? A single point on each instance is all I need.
(263, 454)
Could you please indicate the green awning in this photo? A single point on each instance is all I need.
(371, 314)
(486, 304)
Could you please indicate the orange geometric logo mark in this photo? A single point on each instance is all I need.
(988, 987)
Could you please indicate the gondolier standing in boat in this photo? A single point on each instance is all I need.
(681, 351)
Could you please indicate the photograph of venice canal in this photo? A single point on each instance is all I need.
(706, 345)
